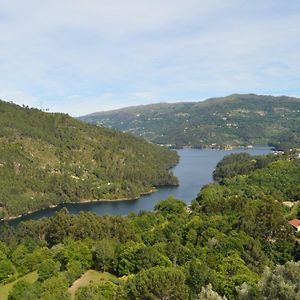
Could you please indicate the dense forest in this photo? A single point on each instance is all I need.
(233, 242)
(236, 120)
(46, 159)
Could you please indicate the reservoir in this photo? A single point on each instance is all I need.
(194, 170)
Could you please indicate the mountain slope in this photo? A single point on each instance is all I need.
(235, 120)
(47, 159)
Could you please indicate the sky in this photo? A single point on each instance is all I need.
(83, 56)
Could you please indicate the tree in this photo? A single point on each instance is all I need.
(59, 227)
(4, 249)
(32, 260)
(233, 272)
(22, 290)
(148, 257)
(54, 288)
(157, 282)
(79, 251)
(74, 270)
(47, 269)
(198, 275)
(105, 291)
(246, 292)
(2, 255)
(7, 269)
(265, 219)
(127, 257)
(171, 206)
(207, 293)
(105, 254)
(282, 283)
(18, 257)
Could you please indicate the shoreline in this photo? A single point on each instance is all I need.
(11, 218)
(230, 147)
(86, 201)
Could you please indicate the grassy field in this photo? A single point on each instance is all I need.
(5, 289)
(89, 277)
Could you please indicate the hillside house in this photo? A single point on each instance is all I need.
(296, 224)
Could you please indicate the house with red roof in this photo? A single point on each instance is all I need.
(295, 223)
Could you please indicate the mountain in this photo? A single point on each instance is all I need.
(235, 120)
(47, 159)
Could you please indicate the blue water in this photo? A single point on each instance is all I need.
(194, 170)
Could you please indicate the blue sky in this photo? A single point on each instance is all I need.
(82, 56)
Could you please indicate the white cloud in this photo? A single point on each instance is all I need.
(145, 96)
(20, 98)
(69, 53)
(78, 105)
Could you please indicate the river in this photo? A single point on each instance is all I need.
(194, 170)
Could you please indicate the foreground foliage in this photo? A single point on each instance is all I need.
(234, 243)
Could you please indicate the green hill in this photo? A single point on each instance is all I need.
(46, 159)
(235, 120)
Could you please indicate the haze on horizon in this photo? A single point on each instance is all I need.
(81, 57)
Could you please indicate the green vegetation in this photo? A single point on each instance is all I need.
(6, 289)
(47, 159)
(90, 280)
(281, 283)
(233, 242)
(278, 181)
(241, 163)
(236, 120)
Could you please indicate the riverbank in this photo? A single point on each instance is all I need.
(153, 190)
(221, 147)
(194, 170)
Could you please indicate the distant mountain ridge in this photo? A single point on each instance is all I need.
(47, 159)
(235, 120)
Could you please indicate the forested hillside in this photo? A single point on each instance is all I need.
(234, 242)
(236, 120)
(46, 159)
